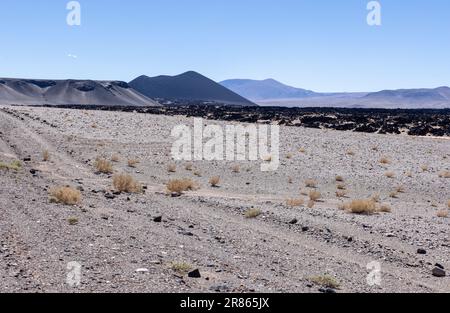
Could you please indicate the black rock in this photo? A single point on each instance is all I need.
(28, 159)
(438, 272)
(327, 290)
(305, 228)
(293, 222)
(157, 219)
(439, 265)
(421, 251)
(109, 196)
(194, 274)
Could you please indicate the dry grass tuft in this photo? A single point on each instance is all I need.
(253, 213)
(214, 181)
(393, 194)
(341, 193)
(339, 178)
(314, 195)
(444, 174)
(103, 166)
(442, 213)
(341, 187)
(311, 204)
(72, 221)
(115, 158)
(325, 281)
(171, 168)
(188, 166)
(363, 206)
(289, 156)
(375, 197)
(389, 174)
(126, 183)
(385, 208)
(267, 158)
(424, 168)
(236, 169)
(350, 152)
(290, 180)
(181, 267)
(310, 183)
(65, 195)
(409, 174)
(400, 189)
(133, 163)
(302, 150)
(45, 156)
(181, 185)
(385, 160)
(295, 202)
(197, 173)
(14, 165)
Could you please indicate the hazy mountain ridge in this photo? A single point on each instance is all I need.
(76, 92)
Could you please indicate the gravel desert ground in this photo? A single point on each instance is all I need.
(149, 241)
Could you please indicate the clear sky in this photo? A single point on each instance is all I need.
(324, 45)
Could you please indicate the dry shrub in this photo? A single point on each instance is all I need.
(311, 204)
(267, 158)
(289, 156)
(393, 194)
(236, 168)
(363, 206)
(197, 173)
(389, 174)
(181, 267)
(339, 178)
(304, 192)
(133, 162)
(115, 158)
(45, 156)
(444, 174)
(341, 187)
(325, 281)
(385, 208)
(214, 181)
(72, 221)
(295, 202)
(253, 213)
(314, 195)
(385, 160)
(442, 213)
(400, 189)
(171, 168)
(181, 185)
(341, 193)
(65, 195)
(376, 197)
(302, 150)
(310, 183)
(290, 180)
(103, 166)
(424, 168)
(14, 165)
(350, 152)
(126, 183)
(409, 174)
(188, 166)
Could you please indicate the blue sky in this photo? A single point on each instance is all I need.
(324, 45)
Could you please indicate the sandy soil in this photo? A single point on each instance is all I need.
(207, 228)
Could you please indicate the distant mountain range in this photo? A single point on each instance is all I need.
(70, 92)
(190, 86)
(270, 92)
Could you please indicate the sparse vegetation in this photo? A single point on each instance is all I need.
(393, 194)
(126, 183)
(350, 152)
(72, 221)
(181, 185)
(171, 168)
(15, 165)
(341, 187)
(197, 173)
(325, 281)
(424, 168)
(115, 158)
(385, 208)
(302, 150)
(289, 156)
(236, 168)
(181, 267)
(314, 195)
(400, 189)
(341, 193)
(389, 174)
(252, 213)
(375, 197)
(133, 163)
(188, 166)
(214, 181)
(65, 195)
(295, 202)
(45, 156)
(339, 178)
(385, 160)
(103, 166)
(311, 204)
(444, 174)
(310, 183)
(442, 213)
(362, 206)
